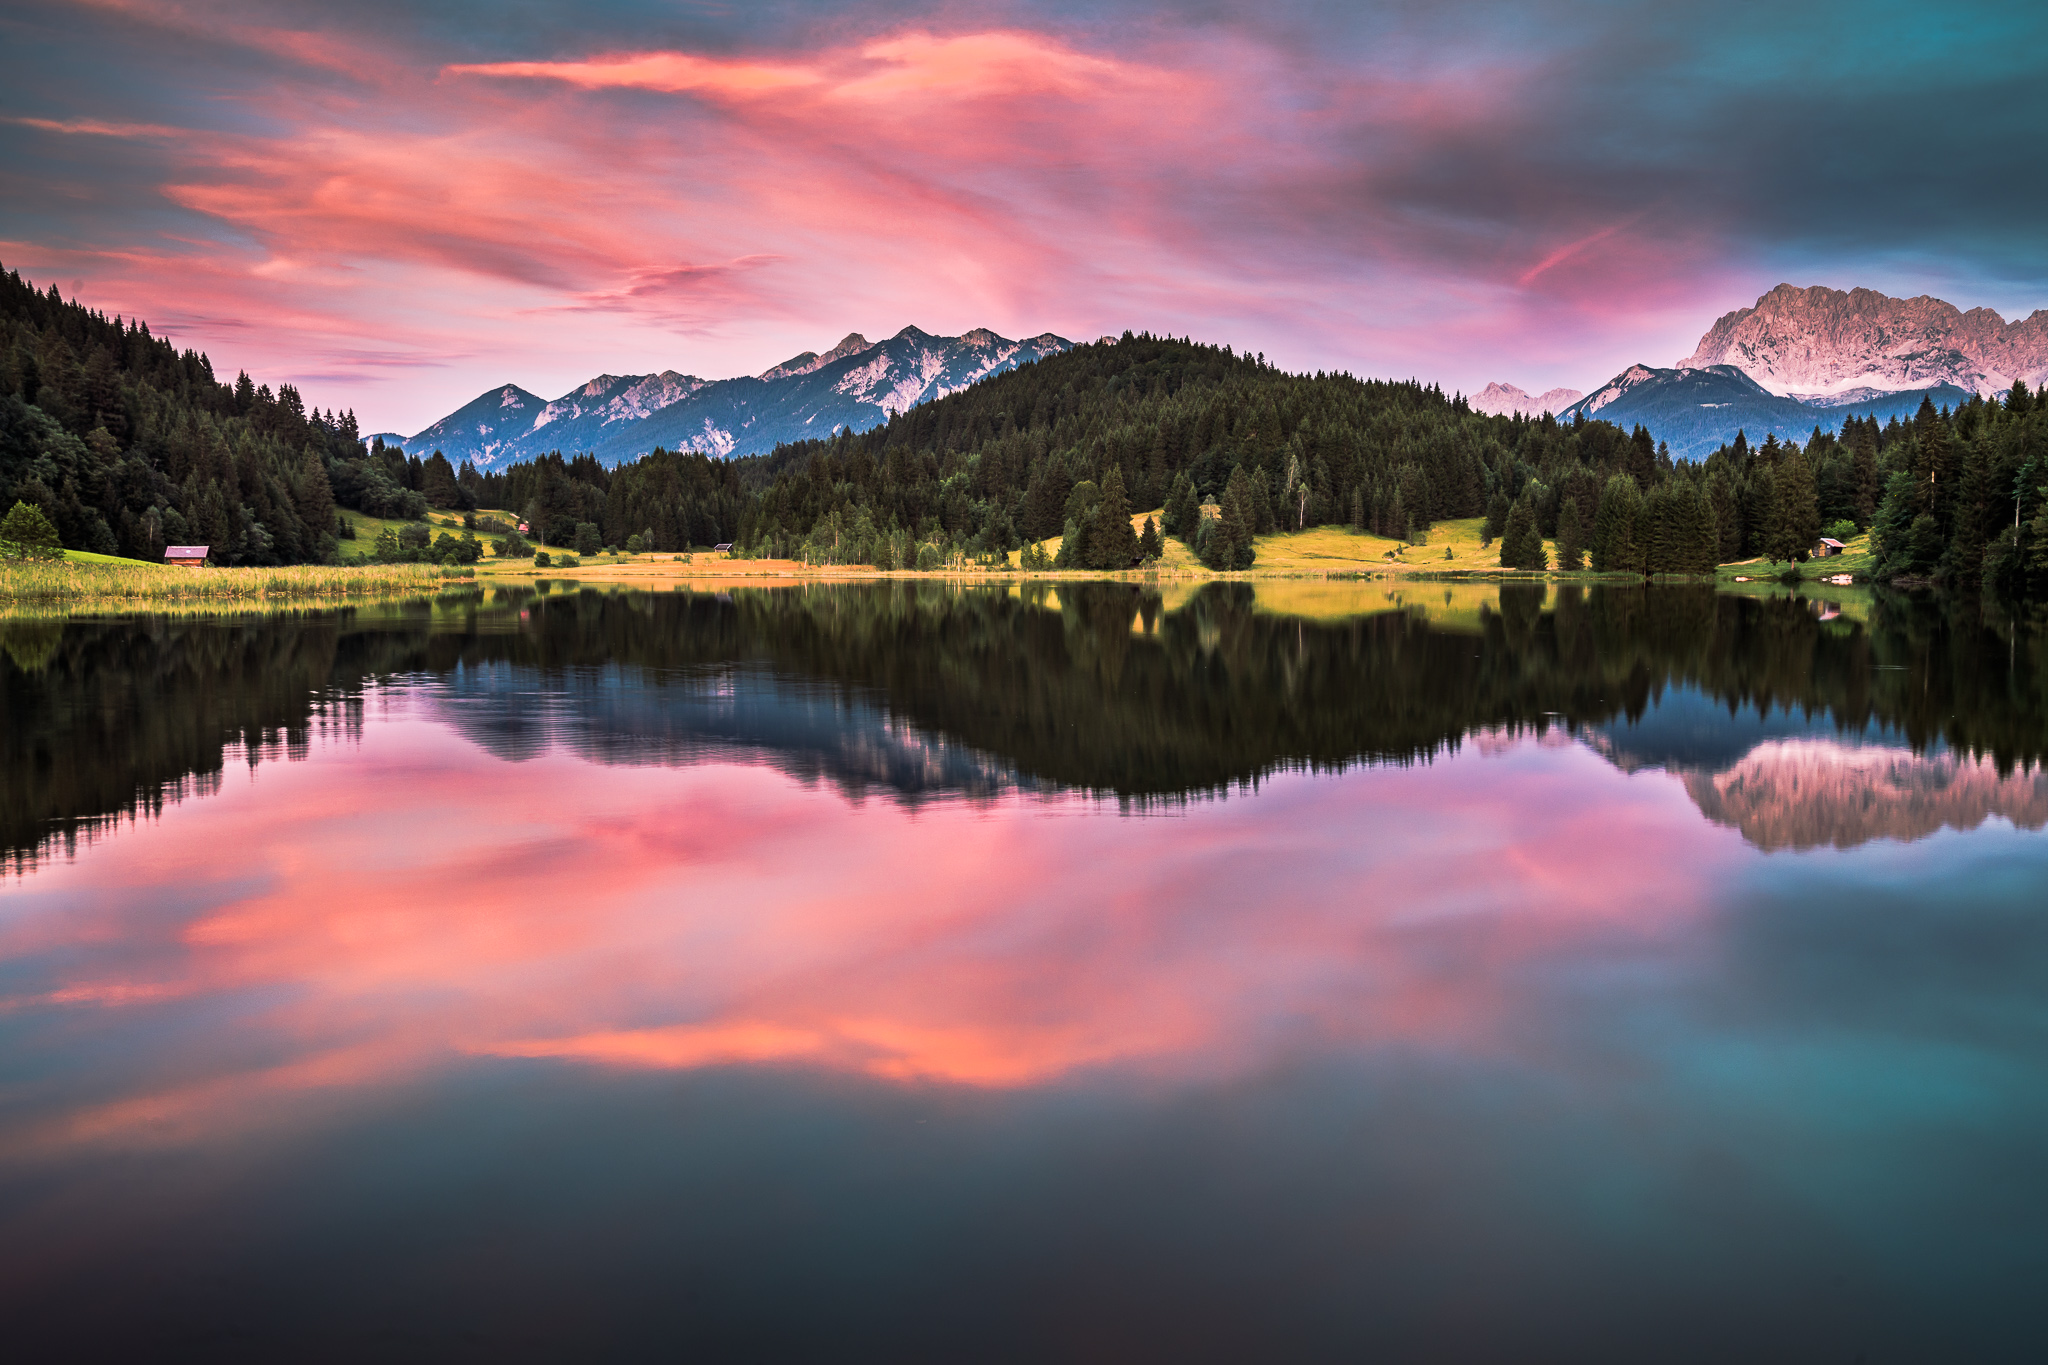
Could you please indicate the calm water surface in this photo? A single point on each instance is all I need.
(1391, 972)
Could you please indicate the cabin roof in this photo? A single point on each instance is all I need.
(1830, 540)
(185, 551)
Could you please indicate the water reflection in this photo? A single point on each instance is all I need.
(923, 690)
(541, 977)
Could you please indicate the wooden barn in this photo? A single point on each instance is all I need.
(186, 556)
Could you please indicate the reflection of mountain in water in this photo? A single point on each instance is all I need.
(1805, 793)
(922, 688)
(1797, 780)
(627, 716)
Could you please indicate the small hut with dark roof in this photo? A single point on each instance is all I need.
(189, 556)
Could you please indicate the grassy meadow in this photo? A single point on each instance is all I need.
(1856, 560)
(95, 580)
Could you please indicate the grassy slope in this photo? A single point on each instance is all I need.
(1339, 549)
(1856, 559)
(113, 561)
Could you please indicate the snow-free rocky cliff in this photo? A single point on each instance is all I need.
(855, 385)
(1505, 400)
(1822, 344)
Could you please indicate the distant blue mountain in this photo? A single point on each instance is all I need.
(853, 386)
(1698, 410)
(481, 429)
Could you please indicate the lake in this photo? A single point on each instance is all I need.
(1391, 970)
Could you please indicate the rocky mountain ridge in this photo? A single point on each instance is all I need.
(1829, 347)
(855, 385)
(1505, 400)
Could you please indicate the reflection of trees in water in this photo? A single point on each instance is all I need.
(105, 719)
(1089, 686)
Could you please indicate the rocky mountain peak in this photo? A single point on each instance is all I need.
(1821, 343)
(1504, 400)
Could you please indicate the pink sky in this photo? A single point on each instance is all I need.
(398, 215)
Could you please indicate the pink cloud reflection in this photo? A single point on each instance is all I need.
(384, 912)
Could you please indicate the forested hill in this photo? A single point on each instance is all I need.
(129, 444)
(1021, 455)
(1018, 457)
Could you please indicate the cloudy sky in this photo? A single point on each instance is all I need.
(400, 205)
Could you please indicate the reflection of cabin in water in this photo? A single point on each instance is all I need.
(1828, 546)
(187, 556)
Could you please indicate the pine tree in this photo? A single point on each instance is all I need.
(1112, 544)
(1868, 483)
(1615, 546)
(1228, 545)
(1795, 520)
(1571, 547)
(1183, 510)
(1962, 563)
(1521, 544)
(1149, 546)
(1496, 518)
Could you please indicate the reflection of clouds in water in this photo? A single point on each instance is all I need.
(408, 902)
(1806, 793)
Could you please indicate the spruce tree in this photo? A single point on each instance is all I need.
(1868, 483)
(1496, 518)
(1615, 546)
(1571, 547)
(1112, 544)
(1183, 510)
(1962, 563)
(1149, 546)
(1795, 519)
(1228, 545)
(1521, 544)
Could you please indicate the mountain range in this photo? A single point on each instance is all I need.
(855, 385)
(1829, 348)
(1696, 411)
(1800, 358)
(1794, 360)
(1505, 400)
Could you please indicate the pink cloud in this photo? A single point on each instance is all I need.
(717, 212)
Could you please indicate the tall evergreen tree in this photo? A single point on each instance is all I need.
(1615, 547)
(1571, 539)
(1112, 544)
(1795, 522)
(1521, 544)
(1183, 508)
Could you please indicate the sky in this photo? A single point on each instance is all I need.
(399, 206)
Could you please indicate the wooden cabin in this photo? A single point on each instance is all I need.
(1828, 546)
(186, 556)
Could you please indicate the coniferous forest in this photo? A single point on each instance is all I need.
(127, 444)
